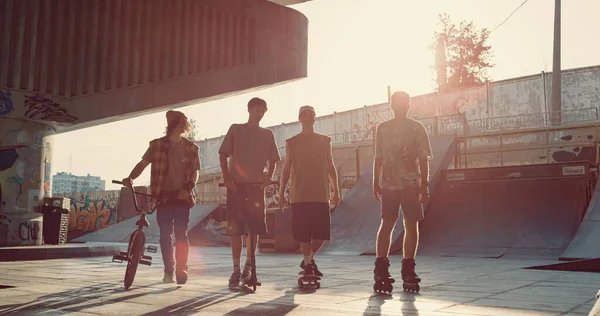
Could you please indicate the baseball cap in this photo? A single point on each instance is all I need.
(306, 108)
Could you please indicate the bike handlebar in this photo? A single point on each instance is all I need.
(252, 183)
(117, 182)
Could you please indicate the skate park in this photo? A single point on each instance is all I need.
(511, 227)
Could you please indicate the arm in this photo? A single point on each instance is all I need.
(285, 176)
(332, 172)
(424, 164)
(285, 173)
(138, 169)
(377, 165)
(225, 151)
(271, 169)
(196, 167)
(274, 157)
(424, 154)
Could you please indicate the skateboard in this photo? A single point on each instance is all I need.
(304, 281)
(384, 285)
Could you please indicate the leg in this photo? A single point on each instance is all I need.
(321, 230)
(250, 247)
(412, 210)
(235, 229)
(256, 220)
(164, 218)
(411, 238)
(182, 243)
(390, 211)
(301, 230)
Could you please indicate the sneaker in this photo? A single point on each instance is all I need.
(247, 271)
(168, 278)
(182, 277)
(309, 270)
(234, 280)
(317, 271)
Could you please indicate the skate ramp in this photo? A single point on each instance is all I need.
(120, 232)
(586, 243)
(355, 222)
(524, 211)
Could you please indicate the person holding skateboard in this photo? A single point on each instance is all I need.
(248, 147)
(400, 178)
(309, 168)
(174, 173)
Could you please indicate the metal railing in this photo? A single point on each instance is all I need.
(353, 137)
(546, 142)
(533, 120)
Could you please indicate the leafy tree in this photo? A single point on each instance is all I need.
(462, 54)
(194, 135)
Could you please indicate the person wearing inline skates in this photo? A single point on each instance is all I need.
(309, 168)
(400, 179)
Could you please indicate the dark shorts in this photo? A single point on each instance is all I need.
(246, 206)
(311, 220)
(406, 201)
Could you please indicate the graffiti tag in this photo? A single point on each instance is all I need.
(29, 231)
(272, 196)
(6, 103)
(42, 108)
(91, 215)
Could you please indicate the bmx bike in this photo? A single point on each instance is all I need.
(253, 281)
(137, 241)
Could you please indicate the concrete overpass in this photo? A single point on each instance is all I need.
(70, 64)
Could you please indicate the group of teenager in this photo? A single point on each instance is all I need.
(248, 155)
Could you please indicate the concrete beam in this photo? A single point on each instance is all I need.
(73, 64)
(288, 2)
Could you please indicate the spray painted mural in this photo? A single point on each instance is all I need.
(91, 213)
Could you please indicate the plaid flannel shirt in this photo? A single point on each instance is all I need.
(158, 157)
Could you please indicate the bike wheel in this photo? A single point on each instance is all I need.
(137, 247)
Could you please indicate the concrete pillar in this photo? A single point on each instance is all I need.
(25, 178)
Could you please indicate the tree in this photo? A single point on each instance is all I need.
(462, 54)
(194, 135)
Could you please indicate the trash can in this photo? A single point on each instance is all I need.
(55, 220)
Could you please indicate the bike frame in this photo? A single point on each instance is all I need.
(138, 237)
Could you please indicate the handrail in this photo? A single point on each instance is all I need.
(529, 147)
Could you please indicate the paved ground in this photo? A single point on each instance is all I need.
(451, 286)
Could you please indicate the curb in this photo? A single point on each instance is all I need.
(45, 252)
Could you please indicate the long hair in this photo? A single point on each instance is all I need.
(186, 131)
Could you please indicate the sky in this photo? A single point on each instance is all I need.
(356, 49)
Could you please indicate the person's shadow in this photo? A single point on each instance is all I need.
(278, 306)
(75, 299)
(377, 300)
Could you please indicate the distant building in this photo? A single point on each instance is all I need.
(63, 182)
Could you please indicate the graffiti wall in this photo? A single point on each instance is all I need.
(34, 106)
(25, 153)
(91, 211)
(20, 229)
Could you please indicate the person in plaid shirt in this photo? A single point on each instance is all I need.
(174, 173)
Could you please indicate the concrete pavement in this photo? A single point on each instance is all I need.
(451, 286)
